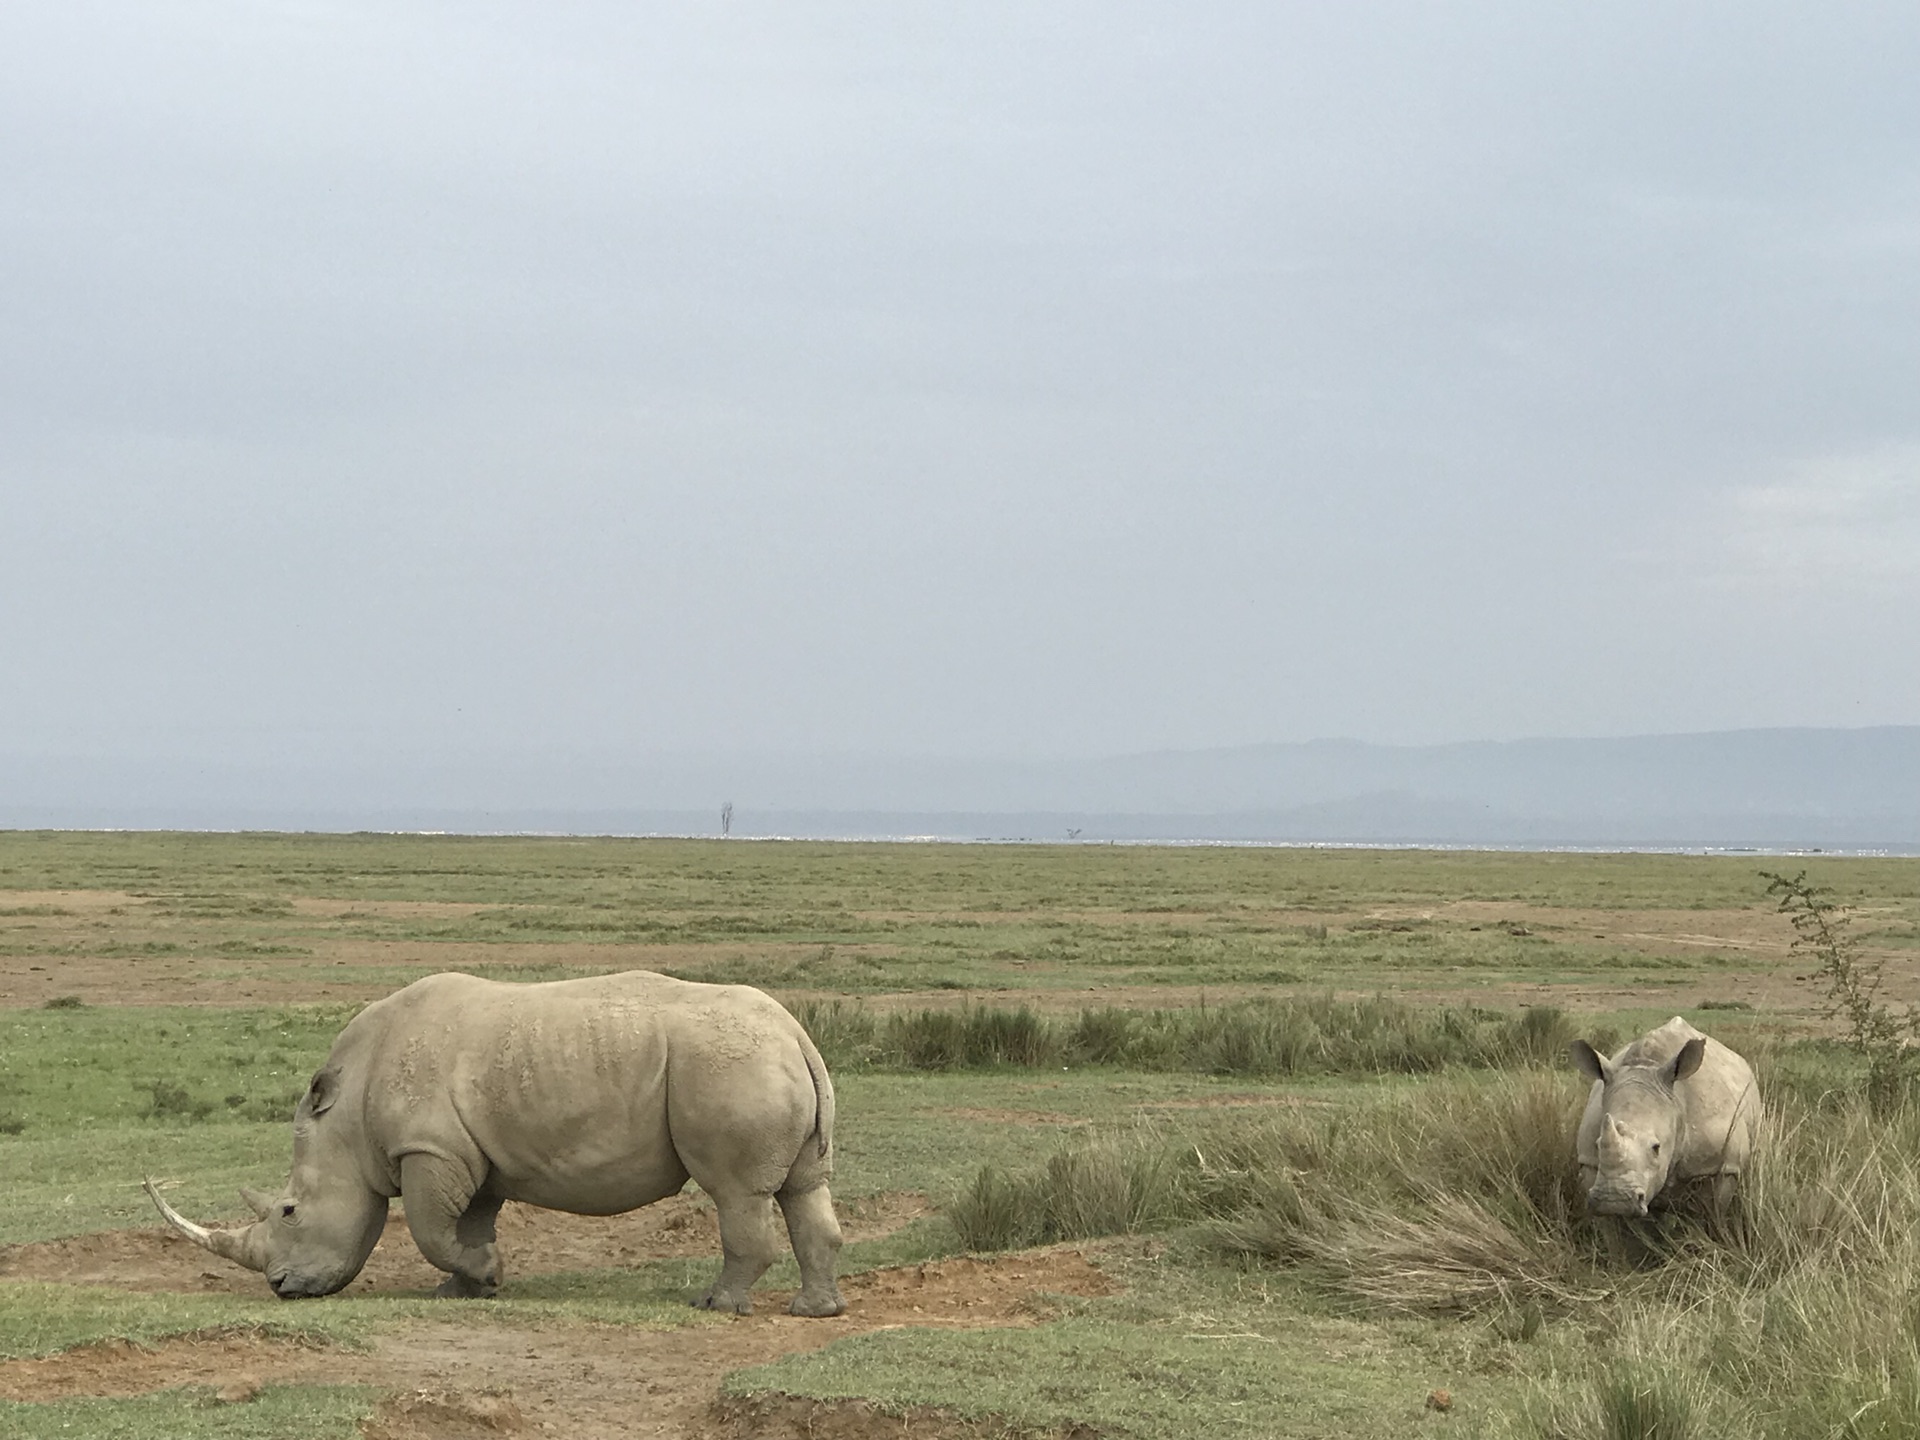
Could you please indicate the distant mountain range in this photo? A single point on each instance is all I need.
(1797, 788)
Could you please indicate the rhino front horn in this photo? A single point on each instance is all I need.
(239, 1246)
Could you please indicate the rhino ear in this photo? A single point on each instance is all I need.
(1588, 1061)
(1689, 1058)
(321, 1094)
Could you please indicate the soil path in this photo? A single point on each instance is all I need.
(465, 1378)
(532, 1242)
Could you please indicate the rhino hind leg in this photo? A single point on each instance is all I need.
(815, 1232)
(452, 1224)
(749, 1244)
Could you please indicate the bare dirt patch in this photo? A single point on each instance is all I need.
(1012, 1117)
(797, 1417)
(1235, 1102)
(115, 1369)
(54, 903)
(392, 909)
(533, 1242)
(444, 1415)
(477, 1377)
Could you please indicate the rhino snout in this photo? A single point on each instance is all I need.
(1620, 1200)
(292, 1287)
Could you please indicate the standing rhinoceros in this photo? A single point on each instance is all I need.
(593, 1096)
(1670, 1107)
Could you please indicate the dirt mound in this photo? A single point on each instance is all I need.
(119, 1368)
(460, 1378)
(966, 1291)
(533, 1242)
(444, 1415)
(793, 1417)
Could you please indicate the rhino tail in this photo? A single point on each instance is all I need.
(822, 1095)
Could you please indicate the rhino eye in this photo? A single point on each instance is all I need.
(286, 1210)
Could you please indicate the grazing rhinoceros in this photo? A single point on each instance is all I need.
(1672, 1106)
(592, 1096)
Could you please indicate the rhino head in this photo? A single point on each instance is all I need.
(1642, 1125)
(314, 1237)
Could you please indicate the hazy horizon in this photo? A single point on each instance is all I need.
(1759, 788)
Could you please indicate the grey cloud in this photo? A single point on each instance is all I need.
(1068, 379)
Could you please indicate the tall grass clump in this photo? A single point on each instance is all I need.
(1641, 1399)
(1457, 1200)
(1462, 1199)
(1267, 1038)
(978, 1037)
(1790, 1312)
(843, 1031)
(1114, 1185)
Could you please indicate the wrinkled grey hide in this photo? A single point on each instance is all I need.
(592, 1096)
(1671, 1107)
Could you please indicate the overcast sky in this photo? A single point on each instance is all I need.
(970, 380)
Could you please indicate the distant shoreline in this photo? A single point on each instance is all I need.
(1893, 850)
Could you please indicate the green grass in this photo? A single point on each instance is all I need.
(1119, 1378)
(39, 1319)
(70, 1182)
(1311, 1268)
(279, 1412)
(866, 919)
(1786, 1316)
(1184, 1348)
(78, 1067)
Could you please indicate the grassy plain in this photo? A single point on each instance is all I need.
(163, 997)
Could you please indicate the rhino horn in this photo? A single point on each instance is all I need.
(240, 1246)
(258, 1201)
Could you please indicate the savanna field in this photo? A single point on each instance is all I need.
(1132, 1141)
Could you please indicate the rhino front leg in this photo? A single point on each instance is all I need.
(749, 1244)
(815, 1232)
(452, 1223)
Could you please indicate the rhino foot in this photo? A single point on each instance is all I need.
(819, 1306)
(465, 1287)
(717, 1299)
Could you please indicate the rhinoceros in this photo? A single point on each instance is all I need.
(1673, 1106)
(593, 1096)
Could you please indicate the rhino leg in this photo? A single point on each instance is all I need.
(749, 1243)
(815, 1233)
(452, 1223)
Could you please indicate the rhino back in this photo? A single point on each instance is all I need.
(1722, 1105)
(1658, 1046)
(561, 1090)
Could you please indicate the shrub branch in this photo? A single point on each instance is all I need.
(1879, 1034)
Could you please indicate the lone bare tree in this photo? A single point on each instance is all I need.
(726, 818)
